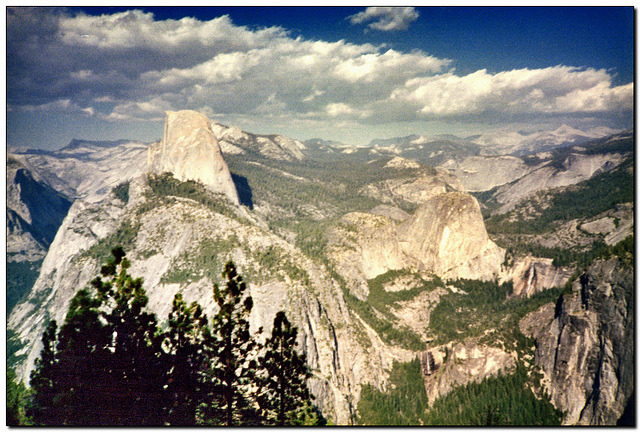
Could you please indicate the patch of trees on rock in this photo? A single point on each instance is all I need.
(111, 363)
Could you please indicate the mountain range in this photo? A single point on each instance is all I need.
(369, 250)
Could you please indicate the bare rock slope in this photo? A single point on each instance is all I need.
(445, 235)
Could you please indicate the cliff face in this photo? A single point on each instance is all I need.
(585, 347)
(445, 235)
(466, 362)
(190, 150)
(34, 212)
(531, 275)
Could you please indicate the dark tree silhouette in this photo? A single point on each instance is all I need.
(284, 397)
(185, 340)
(233, 352)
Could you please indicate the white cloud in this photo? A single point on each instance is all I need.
(138, 67)
(61, 106)
(386, 18)
(558, 89)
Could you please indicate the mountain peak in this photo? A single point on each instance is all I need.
(189, 149)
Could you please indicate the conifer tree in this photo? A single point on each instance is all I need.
(233, 351)
(284, 397)
(80, 359)
(106, 368)
(135, 379)
(43, 380)
(185, 340)
(17, 400)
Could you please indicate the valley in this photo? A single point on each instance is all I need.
(510, 261)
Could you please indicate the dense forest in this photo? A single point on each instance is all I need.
(112, 363)
(495, 401)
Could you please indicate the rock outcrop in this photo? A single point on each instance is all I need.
(445, 235)
(531, 275)
(235, 141)
(34, 212)
(189, 149)
(585, 345)
(412, 190)
(463, 363)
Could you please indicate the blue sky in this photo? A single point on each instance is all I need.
(349, 74)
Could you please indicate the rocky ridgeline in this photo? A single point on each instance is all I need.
(167, 236)
(178, 244)
(189, 149)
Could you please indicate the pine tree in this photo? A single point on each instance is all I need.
(134, 393)
(106, 368)
(284, 398)
(17, 399)
(43, 380)
(233, 351)
(184, 341)
(81, 354)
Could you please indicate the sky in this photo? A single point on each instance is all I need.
(349, 74)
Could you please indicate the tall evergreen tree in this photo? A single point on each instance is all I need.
(134, 390)
(106, 367)
(284, 397)
(82, 359)
(17, 400)
(233, 352)
(43, 380)
(185, 339)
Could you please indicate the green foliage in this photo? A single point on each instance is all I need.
(112, 364)
(44, 381)
(501, 400)
(584, 200)
(102, 368)
(624, 249)
(124, 236)
(122, 192)
(233, 372)
(505, 400)
(165, 185)
(21, 275)
(486, 309)
(376, 309)
(476, 307)
(184, 341)
(404, 403)
(17, 401)
(201, 261)
(284, 397)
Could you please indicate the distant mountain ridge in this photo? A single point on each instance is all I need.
(360, 246)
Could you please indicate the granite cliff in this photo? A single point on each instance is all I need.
(445, 236)
(190, 151)
(585, 345)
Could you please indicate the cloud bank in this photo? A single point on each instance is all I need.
(131, 67)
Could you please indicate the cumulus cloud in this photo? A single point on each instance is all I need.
(551, 90)
(386, 18)
(130, 66)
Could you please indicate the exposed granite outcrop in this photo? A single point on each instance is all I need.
(585, 345)
(189, 149)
